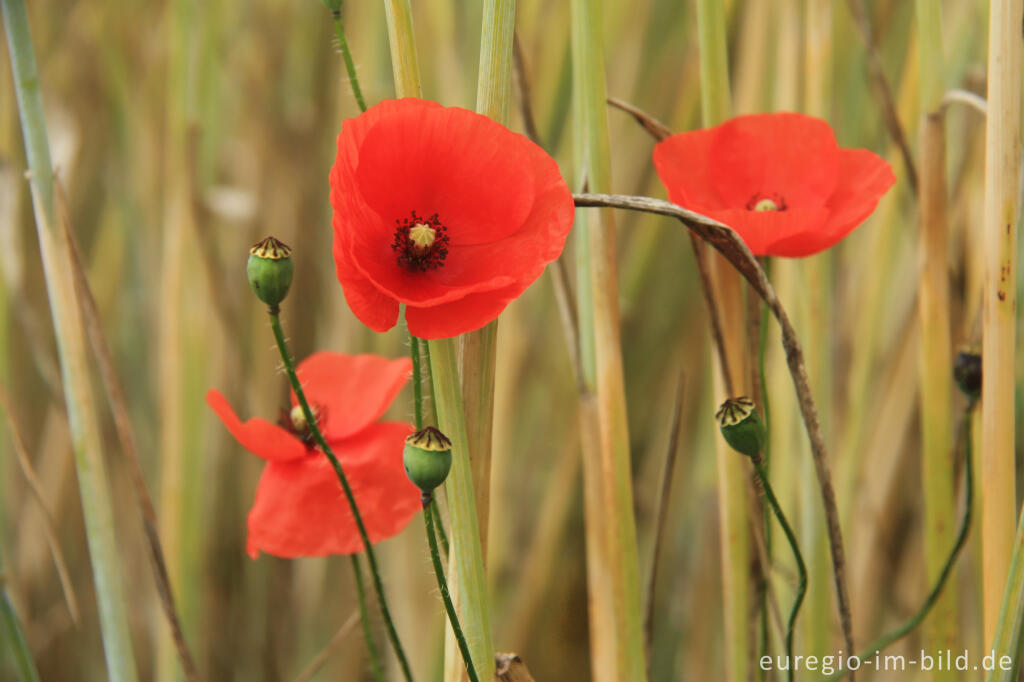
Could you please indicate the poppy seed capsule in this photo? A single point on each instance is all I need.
(741, 426)
(270, 270)
(427, 458)
(967, 372)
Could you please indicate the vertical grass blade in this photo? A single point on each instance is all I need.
(1009, 636)
(610, 502)
(1002, 168)
(71, 346)
(734, 512)
(936, 389)
(12, 640)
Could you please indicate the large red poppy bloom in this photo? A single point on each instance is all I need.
(300, 507)
(779, 180)
(442, 210)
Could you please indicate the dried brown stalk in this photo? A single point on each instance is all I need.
(510, 668)
(728, 243)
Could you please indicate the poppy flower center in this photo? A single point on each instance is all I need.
(762, 202)
(295, 422)
(420, 244)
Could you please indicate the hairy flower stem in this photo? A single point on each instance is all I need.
(801, 568)
(318, 436)
(417, 380)
(947, 568)
(353, 79)
(364, 617)
(449, 607)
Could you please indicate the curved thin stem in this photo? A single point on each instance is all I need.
(300, 395)
(947, 569)
(353, 79)
(801, 588)
(364, 617)
(453, 617)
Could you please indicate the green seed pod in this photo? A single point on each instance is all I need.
(270, 270)
(742, 426)
(967, 372)
(428, 458)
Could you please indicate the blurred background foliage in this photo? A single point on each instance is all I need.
(184, 131)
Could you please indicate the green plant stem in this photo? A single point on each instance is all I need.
(1009, 639)
(86, 439)
(12, 638)
(417, 380)
(353, 79)
(364, 617)
(436, 511)
(300, 395)
(453, 617)
(801, 568)
(947, 568)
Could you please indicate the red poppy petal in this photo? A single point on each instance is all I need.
(301, 510)
(373, 307)
(351, 391)
(258, 436)
(684, 166)
(759, 156)
(863, 178)
(798, 230)
(458, 317)
(475, 173)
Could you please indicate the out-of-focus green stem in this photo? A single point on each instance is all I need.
(466, 552)
(318, 436)
(613, 569)
(716, 107)
(71, 348)
(1009, 640)
(353, 79)
(404, 62)
(364, 617)
(12, 638)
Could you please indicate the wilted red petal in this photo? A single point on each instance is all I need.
(351, 391)
(301, 509)
(258, 436)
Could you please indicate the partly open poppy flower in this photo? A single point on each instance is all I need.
(300, 507)
(779, 180)
(442, 210)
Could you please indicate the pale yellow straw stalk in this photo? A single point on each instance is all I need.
(999, 309)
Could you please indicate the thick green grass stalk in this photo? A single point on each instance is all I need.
(936, 389)
(71, 347)
(603, 375)
(815, 308)
(469, 587)
(733, 506)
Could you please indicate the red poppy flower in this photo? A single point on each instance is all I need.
(300, 507)
(442, 210)
(779, 180)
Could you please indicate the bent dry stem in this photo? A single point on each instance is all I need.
(300, 395)
(453, 617)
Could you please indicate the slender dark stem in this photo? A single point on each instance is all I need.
(947, 569)
(436, 511)
(300, 395)
(801, 587)
(364, 617)
(353, 79)
(435, 556)
(417, 380)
